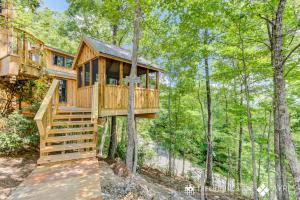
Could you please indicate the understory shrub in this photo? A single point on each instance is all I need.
(19, 133)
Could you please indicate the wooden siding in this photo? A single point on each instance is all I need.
(86, 54)
(84, 97)
(49, 53)
(71, 92)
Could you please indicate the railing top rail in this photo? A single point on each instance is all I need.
(47, 100)
(29, 34)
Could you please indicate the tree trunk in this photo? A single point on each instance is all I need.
(249, 119)
(268, 159)
(113, 130)
(113, 138)
(170, 130)
(183, 163)
(282, 123)
(132, 143)
(209, 156)
(229, 170)
(104, 133)
(239, 164)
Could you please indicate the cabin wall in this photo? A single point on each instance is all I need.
(84, 93)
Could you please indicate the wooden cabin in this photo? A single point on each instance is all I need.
(85, 89)
(107, 65)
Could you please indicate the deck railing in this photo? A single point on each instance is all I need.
(116, 97)
(43, 117)
(27, 47)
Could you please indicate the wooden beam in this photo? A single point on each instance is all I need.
(121, 74)
(157, 80)
(91, 72)
(147, 78)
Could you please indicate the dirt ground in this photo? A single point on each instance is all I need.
(13, 170)
(148, 184)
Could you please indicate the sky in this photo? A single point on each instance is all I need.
(57, 5)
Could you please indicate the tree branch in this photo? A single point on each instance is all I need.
(265, 18)
(291, 52)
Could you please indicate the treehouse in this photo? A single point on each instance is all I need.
(106, 66)
(20, 52)
(85, 88)
(74, 106)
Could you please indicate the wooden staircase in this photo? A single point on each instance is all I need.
(72, 136)
(66, 133)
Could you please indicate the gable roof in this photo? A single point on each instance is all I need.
(117, 52)
(59, 51)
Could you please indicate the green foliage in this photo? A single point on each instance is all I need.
(19, 133)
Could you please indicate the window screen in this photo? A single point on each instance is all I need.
(152, 79)
(95, 73)
(112, 72)
(79, 77)
(69, 62)
(87, 74)
(142, 73)
(59, 60)
(62, 91)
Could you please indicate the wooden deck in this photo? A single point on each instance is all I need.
(73, 180)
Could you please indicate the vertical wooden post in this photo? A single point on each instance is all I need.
(147, 79)
(157, 80)
(91, 75)
(121, 74)
(83, 77)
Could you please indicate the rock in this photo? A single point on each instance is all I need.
(120, 169)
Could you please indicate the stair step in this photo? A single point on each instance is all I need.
(70, 138)
(70, 130)
(66, 123)
(72, 116)
(65, 147)
(67, 156)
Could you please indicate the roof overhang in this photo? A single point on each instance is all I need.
(90, 45)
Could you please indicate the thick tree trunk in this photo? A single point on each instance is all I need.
(281, 109)
(113, 138)
(209, 156)
(131, 157)
(103, 137)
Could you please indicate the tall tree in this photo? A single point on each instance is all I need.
(209, 156)
(281, 121)
(131, 153)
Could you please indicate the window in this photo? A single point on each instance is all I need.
(112, 72)
(59, 60)
(142, 73)
(126, 70)
(62, 91)
(87, 74)
(69, 62)
(152, 79)
(95, 73)
(79, 77)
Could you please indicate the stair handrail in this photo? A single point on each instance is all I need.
(43, 117)
(95, 103)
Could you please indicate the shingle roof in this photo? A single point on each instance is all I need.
(115, 51)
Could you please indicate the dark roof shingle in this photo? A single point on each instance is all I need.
(115, 51)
